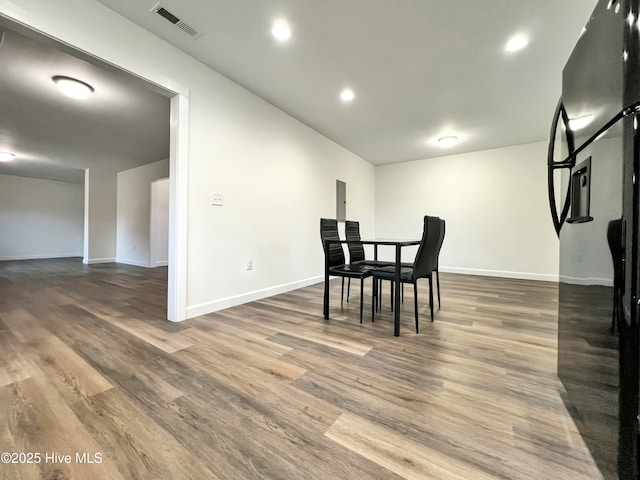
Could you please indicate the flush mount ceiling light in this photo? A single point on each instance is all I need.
(516, 43)
(580, 122)
(281, 30)
(73, 88)
(347, 95)
(6, 156)
(448, 141)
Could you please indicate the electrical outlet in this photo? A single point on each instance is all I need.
(217, 199)
(249, 263)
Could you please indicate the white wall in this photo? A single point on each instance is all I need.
(159, 228)
(40, 218)
(99, 216)
(278, 178)
(134, 212)
(494, 202)
(277, 175)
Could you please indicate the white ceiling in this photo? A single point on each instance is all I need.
(124, 124)
(420, 69)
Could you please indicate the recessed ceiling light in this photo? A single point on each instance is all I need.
(580, 122)
(516, 43)
(6, 156)
(347, 95)
(73, 88)
(447, 142)
(281, 30)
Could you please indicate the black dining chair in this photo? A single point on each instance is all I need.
(423, 266)
(356, 250)
(335, 253)
(441, 227)
(439, 247)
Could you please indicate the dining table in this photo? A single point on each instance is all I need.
(398, 245)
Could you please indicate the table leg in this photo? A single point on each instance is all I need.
(396, 294)
(325, 308)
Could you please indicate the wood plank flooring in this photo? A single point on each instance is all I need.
(270, 390)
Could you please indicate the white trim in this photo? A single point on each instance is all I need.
(92, 261)
(178, 212)
(605, 282)
(41, 256)
(85, 226)
(135, 263)
(210, 307)
(501, 273)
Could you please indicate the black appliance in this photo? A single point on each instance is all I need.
(594, 167)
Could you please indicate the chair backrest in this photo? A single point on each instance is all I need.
(440, 240)
(329, 231)
(426, 258)
(356, 250)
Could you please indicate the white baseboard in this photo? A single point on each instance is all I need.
(40, 256)
(135, 263)
(605, 282)
(501, 273)
(93, 261)
(210, 307)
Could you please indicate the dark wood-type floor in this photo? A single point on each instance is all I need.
(271, 390)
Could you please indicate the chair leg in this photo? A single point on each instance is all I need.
(617, 310)
(402, 292)
(342, 293)
(431, 295)
(361, 296)
(391, 292)
(374, 299)
(613, 313)
(379, 306)
(415, 301)
(438, 284)
(348, 288)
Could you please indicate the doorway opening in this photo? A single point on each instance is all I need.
(112, 85)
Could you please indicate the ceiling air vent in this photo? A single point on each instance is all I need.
(163, 12)
(170, 17)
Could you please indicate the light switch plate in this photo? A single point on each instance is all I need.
(217, 199)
